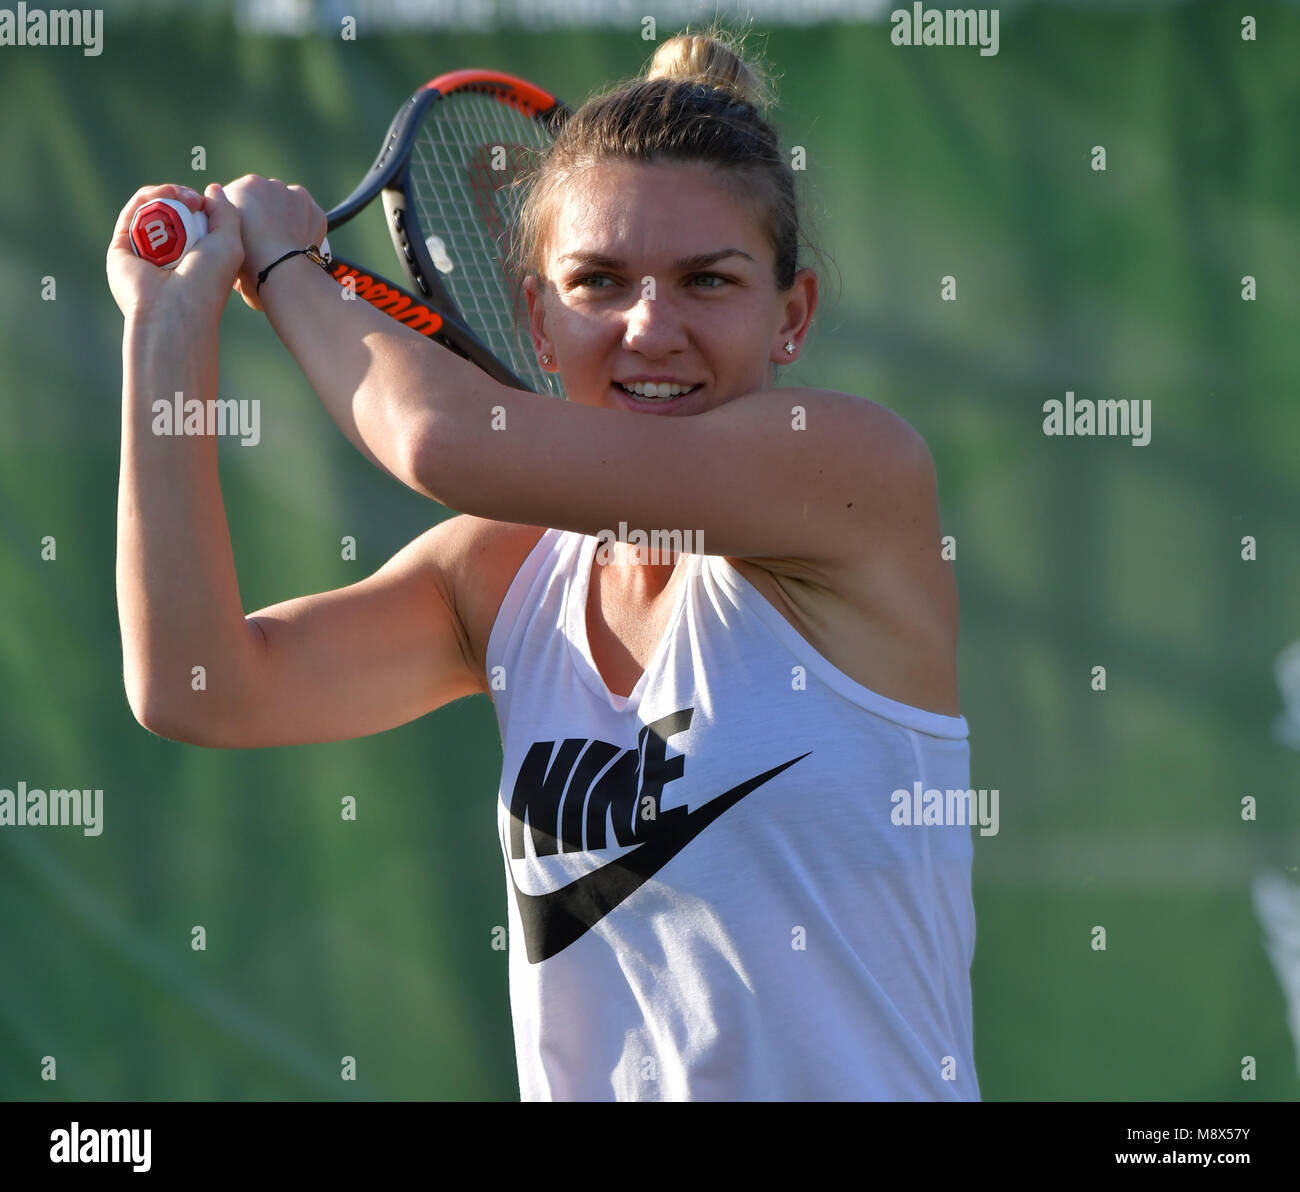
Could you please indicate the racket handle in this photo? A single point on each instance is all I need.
(163, 230)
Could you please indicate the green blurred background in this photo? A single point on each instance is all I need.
(1122, 809)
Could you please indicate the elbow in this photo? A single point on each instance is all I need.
(428, 461)
(146, 701)
(160, 717)
(152, 714)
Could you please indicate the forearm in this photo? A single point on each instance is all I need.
(178, 596)
(382, 383)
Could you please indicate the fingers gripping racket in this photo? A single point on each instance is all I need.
(446, 173)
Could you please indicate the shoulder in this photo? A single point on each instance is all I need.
(462, 540)
(475, 560)
(877, 597)
(875, 550)
(905, 481)
(869, 487)
(859, 441)
(868, 433)
(847, 410)
(821, 412)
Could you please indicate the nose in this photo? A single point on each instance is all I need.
(654, 326)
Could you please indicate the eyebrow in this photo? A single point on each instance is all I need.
(702, 260)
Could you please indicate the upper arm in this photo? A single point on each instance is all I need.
(350, 662)
(794, 473)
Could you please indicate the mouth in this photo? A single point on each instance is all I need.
(649, 395)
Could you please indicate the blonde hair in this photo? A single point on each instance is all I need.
(698, 100)
(713, 59)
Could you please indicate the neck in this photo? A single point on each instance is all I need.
(646, 579)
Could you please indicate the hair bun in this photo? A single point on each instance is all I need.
(711, 59)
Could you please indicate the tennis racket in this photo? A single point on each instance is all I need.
(446, 173)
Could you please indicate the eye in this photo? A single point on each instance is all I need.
(591, 280)
(711, 278)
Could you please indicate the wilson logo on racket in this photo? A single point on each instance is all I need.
(158, 233)
(602, 785)
(157, 230)
(387, 298)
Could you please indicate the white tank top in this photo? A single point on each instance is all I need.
(708, 896)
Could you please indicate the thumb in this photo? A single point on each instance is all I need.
(222, 248)
(223, 217)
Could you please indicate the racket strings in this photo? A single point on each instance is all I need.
(469, 152)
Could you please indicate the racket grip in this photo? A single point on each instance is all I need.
(163, 230)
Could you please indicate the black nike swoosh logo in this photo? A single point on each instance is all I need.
(554, 920)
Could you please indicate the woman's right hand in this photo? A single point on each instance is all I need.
(201, 282)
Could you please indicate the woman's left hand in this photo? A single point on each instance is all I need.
(275, 219)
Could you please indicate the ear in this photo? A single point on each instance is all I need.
(535, 298)
(800, 305)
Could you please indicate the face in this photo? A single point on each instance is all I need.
(658, 280)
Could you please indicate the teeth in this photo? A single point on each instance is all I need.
(656, 391)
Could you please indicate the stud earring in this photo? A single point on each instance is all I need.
(545, 358)
(789, 347)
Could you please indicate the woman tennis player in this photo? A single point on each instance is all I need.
(707, 740)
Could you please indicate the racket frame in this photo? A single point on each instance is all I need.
(428, 307)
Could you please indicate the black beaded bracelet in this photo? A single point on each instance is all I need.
(311, 251)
